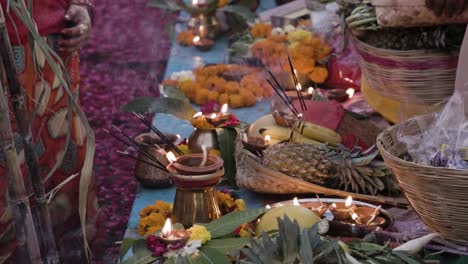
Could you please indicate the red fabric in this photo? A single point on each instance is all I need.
(48, 14)
(323, 113)
(350, 141)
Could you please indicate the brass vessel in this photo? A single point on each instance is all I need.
(195, 205)
(205, 137)
(204, 25)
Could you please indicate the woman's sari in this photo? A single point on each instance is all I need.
(47, 103)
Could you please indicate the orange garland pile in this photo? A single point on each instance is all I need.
(212, 83)
(305, 49)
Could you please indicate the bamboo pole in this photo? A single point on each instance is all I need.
(27, 246)
(41, 211)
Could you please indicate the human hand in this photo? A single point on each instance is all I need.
(447, 7)
(74, 37)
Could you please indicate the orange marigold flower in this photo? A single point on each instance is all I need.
(185, 38)
(222, 3)
(236, 101)
(223, 98)
(261, 30)
(319, 75)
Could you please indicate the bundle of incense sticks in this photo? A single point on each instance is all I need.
(164, 138)
(132, 144)
(282, 94)
(297, 85)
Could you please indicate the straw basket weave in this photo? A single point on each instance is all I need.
(412, 13)
(412, 76)
(438, 195)
(252, 175)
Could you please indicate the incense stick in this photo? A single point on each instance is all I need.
(169, 143)
(128, 155)
(297, 85)
(286, 101)
(139, 149)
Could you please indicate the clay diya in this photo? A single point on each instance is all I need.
(170, 236)
(256, 144)
(203, 44)
(342, 211)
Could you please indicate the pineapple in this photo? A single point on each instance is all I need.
(348, 170)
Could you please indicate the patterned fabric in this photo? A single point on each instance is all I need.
(47, 104)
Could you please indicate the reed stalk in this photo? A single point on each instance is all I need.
(26, 238)
(41, 211)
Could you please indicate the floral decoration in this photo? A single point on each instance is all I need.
(199, 232)
(152, 217)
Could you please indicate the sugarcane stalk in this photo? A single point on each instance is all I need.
(26, 238)
(41, 211)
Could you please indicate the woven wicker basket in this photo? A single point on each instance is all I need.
(412, 13)
(252, 175)
(412, 76)
(438, 195)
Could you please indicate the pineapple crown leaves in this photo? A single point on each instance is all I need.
(293, 245)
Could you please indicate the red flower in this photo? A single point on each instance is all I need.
(210, 107)
(232, 122)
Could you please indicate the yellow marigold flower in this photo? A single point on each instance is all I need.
(240, 205)
(150, 224)
(319, 75)
(222, 3)
(199, 232)
(164, 207)
(215, 152)
(222, 197)
(261, 30)
(299, 35)
(184, 148)
(201, 123)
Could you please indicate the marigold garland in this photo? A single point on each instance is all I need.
(235, 85)
(304, 48)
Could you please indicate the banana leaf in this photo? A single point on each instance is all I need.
(171, 106)
(227, 145)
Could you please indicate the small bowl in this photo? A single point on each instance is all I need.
(341, 212)
(316, 207)
(363, 211)
(378, 221)
(181, 236)
(204, 44)
(188, 164)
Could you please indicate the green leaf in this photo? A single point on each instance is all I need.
(227, 146)
(228, 223)
(148, 105)
(242, 11)
(210, 256)
(141, 255)
(172, 92)
(127, 243)
(227, 246)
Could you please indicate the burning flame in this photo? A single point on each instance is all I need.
(295, 201)
(197, 114)
(268, 206)
(224, 109)
(350, 92)
(167, 229)
(171, 157)
(177, 136)
(334, 205)
(299, 87)
(354, 216)
(196, 38)
(194, 2)
(299, 116)
(267, 139)
(310, 90)
(349, 202)
(213, 116)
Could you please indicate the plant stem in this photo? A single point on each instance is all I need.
(26, 237)
(41, 211)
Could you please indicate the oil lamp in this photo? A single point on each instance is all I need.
(171, 236)
(342, 211)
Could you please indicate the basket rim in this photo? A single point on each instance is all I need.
(383, 149)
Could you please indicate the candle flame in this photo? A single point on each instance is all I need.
(267, 139)
(167, 229)
(299, 116)
(354, 216)
(213, 116)
(171, 157)
(268, 206)
(310, 90)
(349, 202)
(224, 109)
(197, 114)
(177, 136)
(334, 205)
(299, 87)
(350, 92)
(194, 2)
(196, 38)
(295, 201)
